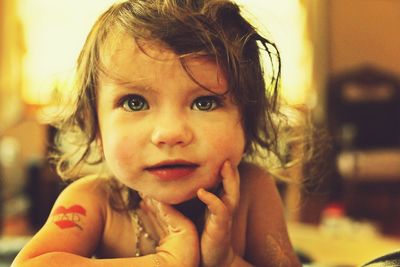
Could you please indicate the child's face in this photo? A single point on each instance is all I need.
(162, 134)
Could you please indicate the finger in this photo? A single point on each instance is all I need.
(218, 212)
(231, 184)
(175, 220)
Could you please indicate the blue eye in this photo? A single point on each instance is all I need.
(135, 103)
(206, 103)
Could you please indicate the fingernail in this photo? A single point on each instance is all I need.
(200, 191)
(228, 164)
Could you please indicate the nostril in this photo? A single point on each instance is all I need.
(171, 136)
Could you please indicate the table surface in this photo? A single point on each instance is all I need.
(348, 247)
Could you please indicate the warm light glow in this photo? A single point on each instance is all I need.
(54, 34)
(285, 21)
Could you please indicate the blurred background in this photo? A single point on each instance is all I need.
(340, 70)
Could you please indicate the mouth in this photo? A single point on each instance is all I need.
(172, 170)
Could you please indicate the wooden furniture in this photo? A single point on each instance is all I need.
(363, 111)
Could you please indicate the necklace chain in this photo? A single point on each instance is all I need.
(140, 233)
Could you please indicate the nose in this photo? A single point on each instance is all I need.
(171, 130)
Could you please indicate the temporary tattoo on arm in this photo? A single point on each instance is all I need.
(275, 253)
(69, 217)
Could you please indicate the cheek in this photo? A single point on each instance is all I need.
(228, 144)
(119, 152)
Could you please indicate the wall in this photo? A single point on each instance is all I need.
(346, 34)
(358, 32)
(11, 51)
(364, 31)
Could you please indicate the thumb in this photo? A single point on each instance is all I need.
(175, 220)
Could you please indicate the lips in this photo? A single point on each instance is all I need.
(172, 170)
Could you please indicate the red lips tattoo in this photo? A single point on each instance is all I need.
(69, 217)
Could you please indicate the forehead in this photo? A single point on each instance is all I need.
(124, 57)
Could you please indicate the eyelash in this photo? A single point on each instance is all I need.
(213, 102)
(216, 102)
(126, 102)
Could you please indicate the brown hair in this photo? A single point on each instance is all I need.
(215, 28)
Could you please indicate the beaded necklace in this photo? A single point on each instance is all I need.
(140, 234)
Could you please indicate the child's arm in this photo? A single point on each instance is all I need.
(71, 232)
(75, 226)
(268, 243)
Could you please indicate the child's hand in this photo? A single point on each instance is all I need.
(216, 247)
(179, 242)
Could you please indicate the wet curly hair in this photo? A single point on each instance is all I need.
(215, 28)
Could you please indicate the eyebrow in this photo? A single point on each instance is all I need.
(134, 86)
(131, 85)
(138, 85)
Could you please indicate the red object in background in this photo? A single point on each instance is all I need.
(334, 210)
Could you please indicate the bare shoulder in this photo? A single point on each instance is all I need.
(92, 193)
(75, 223)
(255, 179)
(93, 186)
(259, 188)
(267, 241)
